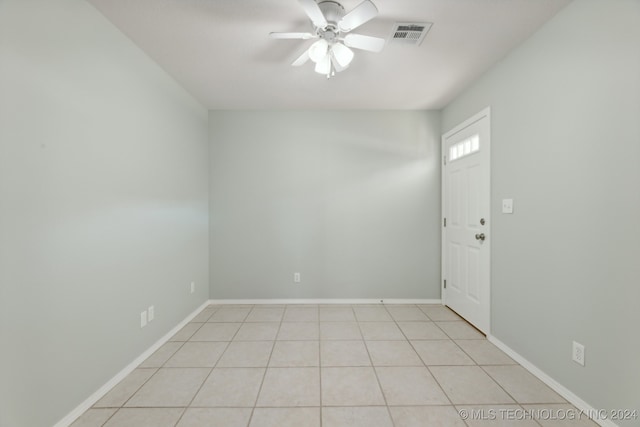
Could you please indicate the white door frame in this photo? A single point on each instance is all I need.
(485, 113)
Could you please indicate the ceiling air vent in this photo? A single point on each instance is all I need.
(410, 33)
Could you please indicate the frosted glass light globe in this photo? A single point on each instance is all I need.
(318, 50)
(324, 65)
(342, 54)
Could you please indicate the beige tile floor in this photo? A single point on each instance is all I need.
(329, 366)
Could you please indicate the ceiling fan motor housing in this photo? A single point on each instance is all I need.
(333, 13)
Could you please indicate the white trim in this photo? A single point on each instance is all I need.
(556, 386)
(485, 112)
(91, 400)
(324, 301)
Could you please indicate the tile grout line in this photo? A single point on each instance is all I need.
(207, 376)
(149, 379)
(456, 406)
(513, 397)
(418, 354)
(157, 369)
(475, 364)
(375, 372)
(264, 375)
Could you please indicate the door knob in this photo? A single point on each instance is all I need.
(480, 236)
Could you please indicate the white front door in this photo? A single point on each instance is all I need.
(466, 237)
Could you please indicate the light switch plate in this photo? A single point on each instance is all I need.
(507, 206)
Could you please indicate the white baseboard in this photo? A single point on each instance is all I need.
(91, 400)
(324, 301)
(553, 384)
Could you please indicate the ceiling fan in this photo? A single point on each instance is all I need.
(331, 51)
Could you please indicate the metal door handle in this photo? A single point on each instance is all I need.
(480, 236)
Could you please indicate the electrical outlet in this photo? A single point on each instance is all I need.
(193, 287)
(143, 319)
(296, 277)
(578, 353)
(151, 313)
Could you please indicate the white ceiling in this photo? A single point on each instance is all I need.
(219, 50)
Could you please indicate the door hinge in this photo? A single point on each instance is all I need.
(444, 159)
(445, 222)
(445, 283)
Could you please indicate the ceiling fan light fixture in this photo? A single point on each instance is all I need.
(318, 50)
(342, 54)
(332, 49)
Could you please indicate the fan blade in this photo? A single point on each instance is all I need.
(302, 59)
(358, 41)
(314, 13)
(302, 36)
(362, 13)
